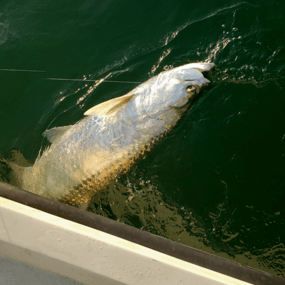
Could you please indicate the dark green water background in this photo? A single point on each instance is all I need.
(216, 182)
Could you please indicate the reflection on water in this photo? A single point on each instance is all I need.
(136, 202)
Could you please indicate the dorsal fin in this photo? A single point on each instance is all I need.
(55, 133)
(108, 107)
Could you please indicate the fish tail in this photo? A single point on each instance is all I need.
(4, 169)
(16, 175)
(17, 166)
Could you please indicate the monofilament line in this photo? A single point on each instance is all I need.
(67, 79)
(21, 70)
(90, 80)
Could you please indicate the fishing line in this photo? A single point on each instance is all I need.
(74, 79)
(22, 70)
(68, 79)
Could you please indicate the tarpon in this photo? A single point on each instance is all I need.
(85, 157)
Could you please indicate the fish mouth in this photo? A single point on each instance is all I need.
(205, 67)
(205, 84)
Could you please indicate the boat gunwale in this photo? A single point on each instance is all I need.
(138, 236)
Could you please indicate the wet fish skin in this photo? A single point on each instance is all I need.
(85, 157)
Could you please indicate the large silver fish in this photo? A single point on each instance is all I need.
(84, 158)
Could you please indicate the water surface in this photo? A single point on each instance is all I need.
(216, 182)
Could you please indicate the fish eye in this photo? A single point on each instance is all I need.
(190, 88)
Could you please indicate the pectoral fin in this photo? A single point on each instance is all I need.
(108, 107)
(55, 134)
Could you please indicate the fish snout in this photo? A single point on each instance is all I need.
(205, 83)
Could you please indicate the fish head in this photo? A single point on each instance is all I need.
(185, 83)
(174, 88)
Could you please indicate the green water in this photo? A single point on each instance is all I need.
(216, 182)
